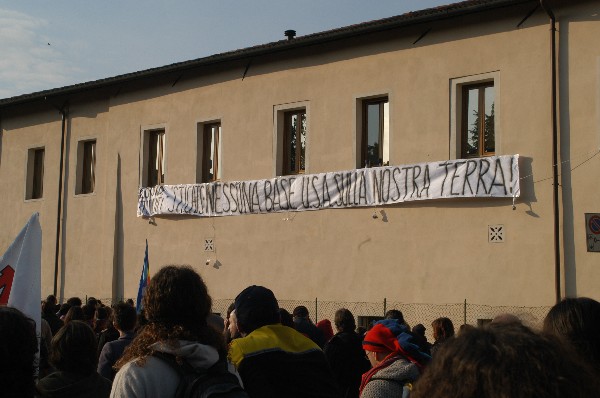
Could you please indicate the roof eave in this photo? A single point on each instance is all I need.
(408, 19)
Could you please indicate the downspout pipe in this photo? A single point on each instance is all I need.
(63, 114)
(555, 184)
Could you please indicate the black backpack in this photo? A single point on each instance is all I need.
(213, 382)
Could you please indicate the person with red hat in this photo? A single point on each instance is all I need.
(396, 360)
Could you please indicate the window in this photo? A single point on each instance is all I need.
(291, 124)
(156, 158)
(294, 142)
(35, 174)
(375, 149)
(209, 148)
(477, 131)
(474, 103)
(86, 167)
(153, 158)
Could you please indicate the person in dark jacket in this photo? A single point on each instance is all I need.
(49, 314)
(124, 321)
(73, 354)
(304, 325)
(18, 346)
(418, 332)
(345, 354)
(275, 360)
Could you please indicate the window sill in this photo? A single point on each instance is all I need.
(83, 195)
(34, 200)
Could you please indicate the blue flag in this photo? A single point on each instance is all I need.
(144, 281)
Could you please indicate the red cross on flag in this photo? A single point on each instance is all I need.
(20, 268)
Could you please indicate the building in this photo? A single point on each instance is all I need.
(471, 80)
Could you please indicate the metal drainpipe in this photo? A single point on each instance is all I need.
(554, 153)
(63, 114)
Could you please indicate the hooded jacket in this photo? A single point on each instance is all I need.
(390, 381)
(66, 384)
(277, 361)
(155, 378)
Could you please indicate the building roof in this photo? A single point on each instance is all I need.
(407, 19)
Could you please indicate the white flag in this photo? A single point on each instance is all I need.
(20, 268)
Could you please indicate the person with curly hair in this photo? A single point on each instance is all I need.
(502, 361)
(73, 355)
(176, 305)
(18, 346)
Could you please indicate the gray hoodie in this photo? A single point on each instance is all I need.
(390, 381)
(155, 378)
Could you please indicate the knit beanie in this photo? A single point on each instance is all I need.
(391, 335)
(256, 306)
(381, 337)
(325, 327)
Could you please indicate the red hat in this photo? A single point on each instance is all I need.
(380, 338)
(325, 327)
(391, 335)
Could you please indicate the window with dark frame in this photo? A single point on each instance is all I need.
(88, 167)
(294, 156)
(156, 158)
(478, 136)
(35, 174)
(375, 133)
(367, 321)
(211, 157)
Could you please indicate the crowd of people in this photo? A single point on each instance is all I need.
(261, 350)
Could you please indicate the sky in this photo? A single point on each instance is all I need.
(49, 44)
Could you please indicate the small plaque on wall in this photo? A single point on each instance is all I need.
(592, 231)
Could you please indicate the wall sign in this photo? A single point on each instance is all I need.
(592, 231)
(494, 176)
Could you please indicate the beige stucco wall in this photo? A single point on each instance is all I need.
(431, 252)
(580, 124)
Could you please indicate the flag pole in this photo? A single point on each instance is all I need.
(144, 280)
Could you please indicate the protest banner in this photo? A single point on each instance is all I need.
(494, 176)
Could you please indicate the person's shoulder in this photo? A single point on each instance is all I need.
(102, 383)
(382, 388)
(139, 367)
(347, 338)
(138, 377)
(338, 340)
(400, 369)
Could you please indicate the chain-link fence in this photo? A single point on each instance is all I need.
(414, 313)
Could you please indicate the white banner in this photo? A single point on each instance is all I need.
(20, 267)
(494, 176)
